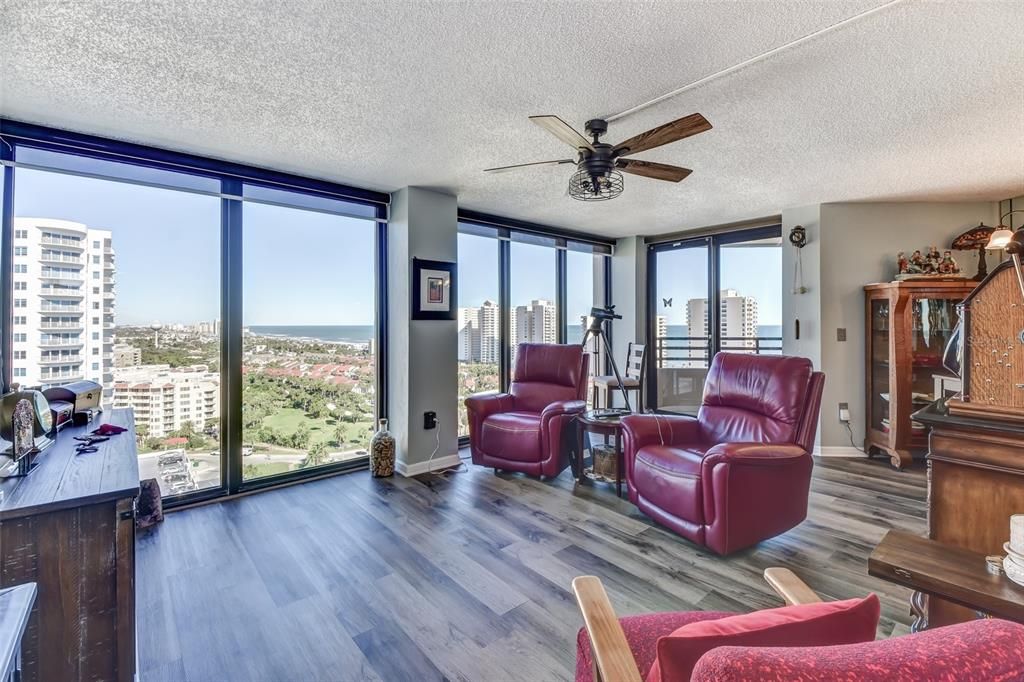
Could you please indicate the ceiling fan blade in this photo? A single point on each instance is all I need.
(524, 165)
(663, 134)
(563, 131)
(658, 171)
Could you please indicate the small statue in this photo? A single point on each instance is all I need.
(902, 263)
(917, 263)
(934, 260)
(948, 265)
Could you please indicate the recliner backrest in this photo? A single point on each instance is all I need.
(546, 373)
(754, 398)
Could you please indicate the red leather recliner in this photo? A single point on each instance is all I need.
(529, 429)
(740, 471)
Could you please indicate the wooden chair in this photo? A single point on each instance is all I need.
(632, 379)
(610, 652)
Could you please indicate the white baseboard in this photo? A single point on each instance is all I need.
(837, 451)
(435, 464)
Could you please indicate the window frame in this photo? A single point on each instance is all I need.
(506, 230)
(713, 243)
(231, 178)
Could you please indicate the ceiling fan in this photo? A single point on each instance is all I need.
(597, 177)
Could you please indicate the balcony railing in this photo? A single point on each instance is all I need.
(60, 360)
(66, 276)
(50, 257)
(693, 351)
(60, 343)
(63, 241)
(71, 292)
(63, 309)
(60, 325)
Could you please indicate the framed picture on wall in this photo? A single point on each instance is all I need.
(433, 290)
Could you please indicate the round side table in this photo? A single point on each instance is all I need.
(591, 423)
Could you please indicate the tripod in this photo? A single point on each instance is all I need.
(596, 330)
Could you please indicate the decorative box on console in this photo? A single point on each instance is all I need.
(78, 401)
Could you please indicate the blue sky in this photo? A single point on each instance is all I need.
(304, 268)
(299, 267)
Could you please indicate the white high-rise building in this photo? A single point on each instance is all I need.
(533, 323)
(63, 307)
(165, 399)
(478, 333)
(738, 320)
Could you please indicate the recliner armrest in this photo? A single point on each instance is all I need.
(563, 407)
(484, 405)
(758, 454)
(654, 429)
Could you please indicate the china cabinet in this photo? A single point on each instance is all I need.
(908, 325)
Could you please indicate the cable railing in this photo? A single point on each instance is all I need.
(691, 351)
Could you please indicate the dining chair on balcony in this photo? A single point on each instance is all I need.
(632, 379)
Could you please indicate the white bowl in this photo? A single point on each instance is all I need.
(1017, 557)
(1013, 571)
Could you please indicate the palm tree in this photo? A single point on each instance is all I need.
(316, 456)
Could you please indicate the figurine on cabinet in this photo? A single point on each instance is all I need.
(929, 264)
(902, 263)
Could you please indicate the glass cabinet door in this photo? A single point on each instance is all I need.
(933, 322)
(879, 370)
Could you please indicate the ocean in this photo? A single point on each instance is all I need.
(346, 333)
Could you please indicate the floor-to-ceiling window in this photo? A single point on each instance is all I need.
(479, 319)
(707, 295)
(533, 309)
(119, 283)
(585, 290)
(518, 285)
(309, 361)
(235, 310)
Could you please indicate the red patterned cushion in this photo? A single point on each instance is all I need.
(820, 624)
(642, 633)
(978, 650)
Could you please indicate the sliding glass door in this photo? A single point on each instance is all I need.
(707, 295)
(681, 336)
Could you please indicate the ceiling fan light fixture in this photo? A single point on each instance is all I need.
(586, 187)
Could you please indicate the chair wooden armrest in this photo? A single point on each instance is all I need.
(609, 650)
(613, 661)
(793, 590)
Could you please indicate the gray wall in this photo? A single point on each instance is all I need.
(422, 357)
(852, 245)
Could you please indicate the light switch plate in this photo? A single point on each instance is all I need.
(841, 334)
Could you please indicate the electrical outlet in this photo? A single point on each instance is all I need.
(844, 412)
(429, 420)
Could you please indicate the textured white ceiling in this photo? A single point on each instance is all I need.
(918, 101)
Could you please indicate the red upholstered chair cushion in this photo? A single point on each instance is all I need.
(642, 633)
(821, 624)
(977, 650)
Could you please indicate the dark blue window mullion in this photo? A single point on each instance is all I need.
(231, 337)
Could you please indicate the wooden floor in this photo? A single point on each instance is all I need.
(467, 578)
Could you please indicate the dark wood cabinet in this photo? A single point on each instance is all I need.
(975, 483)
(69, 527)
(908, 325)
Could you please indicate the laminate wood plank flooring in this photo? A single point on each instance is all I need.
(467, 576)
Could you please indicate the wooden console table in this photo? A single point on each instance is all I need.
(69, 527)
(951, 573)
